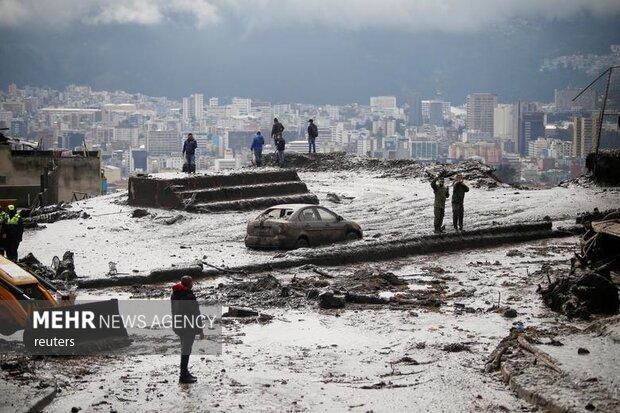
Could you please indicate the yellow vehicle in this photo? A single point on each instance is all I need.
(22, 292)
(18, 290)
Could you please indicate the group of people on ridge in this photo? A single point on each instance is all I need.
(279, 143)
(258, 141)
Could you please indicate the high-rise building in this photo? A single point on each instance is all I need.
(432, 109)
(480, 107)
(531, 127)
(185, 112)
(504, 121)
(164, 142)
(197, 106)
(414, 115)
(424, 149)
(529, 124)
(584, 132)
(436, 112)
(213, 102)
(383, 103)
(241, 106)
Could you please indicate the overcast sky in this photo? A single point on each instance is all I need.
(305, 50)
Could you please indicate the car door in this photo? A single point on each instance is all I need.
(334, 228)
(311, 224)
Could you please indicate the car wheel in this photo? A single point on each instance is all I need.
(352, 235)
(302, 242)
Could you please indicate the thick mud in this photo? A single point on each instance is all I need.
(383, 356)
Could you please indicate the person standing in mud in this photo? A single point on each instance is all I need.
(257, 148)
(280, 145)
(189, 153)
(277, 130)
(313, 133)
(3, 219)
(458, 198)
(12, 232)
(186, 314)
(441, 194)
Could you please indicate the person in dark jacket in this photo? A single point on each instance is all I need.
(189, 152)
(441, 194)
(276, 130)
(257, 148)
(186, 315)
(3, 219)
(12, 232)
(280, 145)
(313, 133)
(458, 197)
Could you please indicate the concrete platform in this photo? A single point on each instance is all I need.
(206, 193)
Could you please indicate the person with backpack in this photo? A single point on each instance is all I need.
(189, 153)
(257, 148)
(277, 130)
(280, 145)
(313, 133)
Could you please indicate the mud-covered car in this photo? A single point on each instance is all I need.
(297, 226)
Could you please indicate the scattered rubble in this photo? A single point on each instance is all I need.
(61, 269)
(479, 174)
(589, 287)
(50, 214)
(542, 378)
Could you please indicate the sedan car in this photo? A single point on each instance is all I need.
(298, 226)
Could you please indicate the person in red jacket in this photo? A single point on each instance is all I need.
(185, 308)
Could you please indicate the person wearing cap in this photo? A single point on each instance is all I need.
(12, 232)
(458, 198)
(313, 133)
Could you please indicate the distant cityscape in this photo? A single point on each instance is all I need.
(528, 142)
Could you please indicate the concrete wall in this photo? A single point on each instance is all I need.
(71, 174)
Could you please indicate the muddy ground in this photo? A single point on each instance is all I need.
(364, 357)
(387, 208)
(422, 344)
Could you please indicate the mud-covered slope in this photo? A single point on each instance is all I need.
(478, 173)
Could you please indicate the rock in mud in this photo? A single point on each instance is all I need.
(365, 299)
(327, 299)
(139, 213)
(240, 312)
(583, 351)
(456, 347)
(332, 197)
(510, 313)
(268, 282)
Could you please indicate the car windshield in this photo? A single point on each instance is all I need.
(277, 213)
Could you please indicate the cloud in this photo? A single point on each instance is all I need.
(403, 15)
